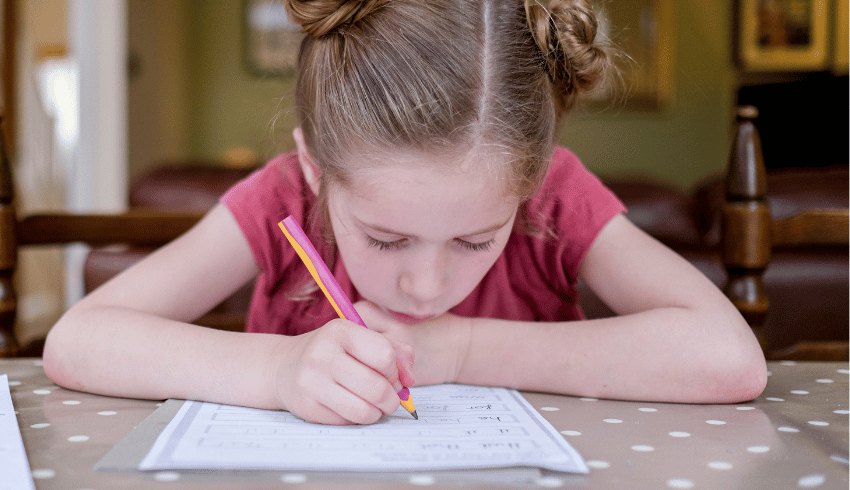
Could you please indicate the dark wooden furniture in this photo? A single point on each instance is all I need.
(750, 233)
(138, 228)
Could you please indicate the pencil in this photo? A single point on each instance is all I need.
(326, 281)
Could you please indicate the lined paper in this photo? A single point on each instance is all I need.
(459, 427)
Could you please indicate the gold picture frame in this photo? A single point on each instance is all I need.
(783, 35)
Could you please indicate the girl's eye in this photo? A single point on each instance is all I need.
(476, 247)
(381, 245)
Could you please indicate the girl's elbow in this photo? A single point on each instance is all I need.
(738, 378)
(56, 357)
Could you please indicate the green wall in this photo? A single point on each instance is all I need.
(229, 107)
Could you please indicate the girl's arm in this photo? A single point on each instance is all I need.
(132, 337)
(676, 337)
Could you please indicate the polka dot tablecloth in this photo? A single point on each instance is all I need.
(795, 435)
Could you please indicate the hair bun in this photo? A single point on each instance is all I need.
(565, 32)
(320, 17)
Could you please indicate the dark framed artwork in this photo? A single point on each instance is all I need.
(271, 41)
(643, 31)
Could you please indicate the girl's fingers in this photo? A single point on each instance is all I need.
(404, 362)
(368, 387)
(370, 348)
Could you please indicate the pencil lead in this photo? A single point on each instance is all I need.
(414, 415)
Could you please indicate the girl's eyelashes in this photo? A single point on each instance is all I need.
(401, 243)
(476, 247)
(382, 245)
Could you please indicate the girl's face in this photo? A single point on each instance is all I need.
(416, 238)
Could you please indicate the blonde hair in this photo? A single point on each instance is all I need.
(441, 74)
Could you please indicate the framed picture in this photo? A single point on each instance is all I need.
(842, 38)
(783, 35)
(271, 41)
(643, 30)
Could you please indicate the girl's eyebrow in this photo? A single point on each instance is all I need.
(488, 229)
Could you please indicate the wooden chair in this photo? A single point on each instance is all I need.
(56, 228)
(749, 232)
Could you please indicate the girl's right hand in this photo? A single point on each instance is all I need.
(339, 374)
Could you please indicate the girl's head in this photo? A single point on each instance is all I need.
(442, 76)
(424, 125)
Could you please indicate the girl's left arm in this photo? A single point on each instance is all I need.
(676, 337)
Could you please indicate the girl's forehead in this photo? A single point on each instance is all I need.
(474, 168)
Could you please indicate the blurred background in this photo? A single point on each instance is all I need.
(97, 94)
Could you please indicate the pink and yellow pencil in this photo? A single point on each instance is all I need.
(330, 287)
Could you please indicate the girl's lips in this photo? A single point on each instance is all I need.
(404, 317)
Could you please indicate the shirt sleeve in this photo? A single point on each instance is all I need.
(576, 206)
(259, 202)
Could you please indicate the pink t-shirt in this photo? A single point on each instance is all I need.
(534, 279)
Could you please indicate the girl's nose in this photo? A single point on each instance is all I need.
(424, 281)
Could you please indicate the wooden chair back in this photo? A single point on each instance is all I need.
(749, 233)
(16, 232)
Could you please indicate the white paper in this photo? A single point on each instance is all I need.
(13, 459)
(459, 427)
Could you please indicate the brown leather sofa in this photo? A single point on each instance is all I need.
(807, 287)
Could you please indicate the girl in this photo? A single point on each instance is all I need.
(425, 173)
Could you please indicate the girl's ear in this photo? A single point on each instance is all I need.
(312, 173)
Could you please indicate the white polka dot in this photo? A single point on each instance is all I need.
(40, 426)
(38, 363)
(775, 399)
(800, 392)
(549, 409)
(166, 476)
(770, 373)
(841, 412)
(421, 480)
(680, 483)
(642, 448)
(758, 449)
(839, 459)
(648, 409)
(745, 408)
(612, 421)
(71, 402)
(680, 434)
(819, 423)
(824, 380)
(41, 391)
(78, 438)
(788, 363)
(43, 473)
(715, 422)
(599, 465)
(295, 478)
(14, 383)
(843, 371)
(107, 412)
(588, 399)
(720, 465)
(571, 432)
(549, 482)
(787, 429)
(811, 481)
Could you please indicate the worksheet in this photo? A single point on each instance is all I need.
(13, 459)
(459, 427)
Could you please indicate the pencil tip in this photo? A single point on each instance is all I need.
(414, 415)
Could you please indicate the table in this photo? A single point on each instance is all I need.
(793, 436)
